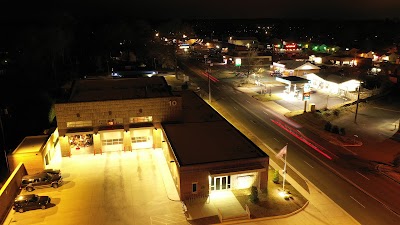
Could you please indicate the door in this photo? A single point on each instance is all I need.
(112, 141)
(221, 183)
(142, 138)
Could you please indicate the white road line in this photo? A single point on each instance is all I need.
(235, 107)
(308, 164)
(357, 201)
(248, 101)
(265, 112)
(276, 140)
(362, 175)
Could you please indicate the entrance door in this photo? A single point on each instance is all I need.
(220, 183)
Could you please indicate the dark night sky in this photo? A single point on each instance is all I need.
(319, 9)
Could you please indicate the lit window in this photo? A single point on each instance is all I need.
(141, 119)
(73, 124)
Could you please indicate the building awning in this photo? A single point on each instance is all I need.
(292, 80)
(238, 170)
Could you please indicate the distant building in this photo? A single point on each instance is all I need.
(249, 42)
(294, 67)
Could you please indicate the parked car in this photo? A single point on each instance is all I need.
(44, 178)
(32, 201)
(52, 171)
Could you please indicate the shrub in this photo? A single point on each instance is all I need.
(185, 86)
(254, 194)
(276, 177)
(328, 126)
(335, 129)
(336, 112)
(342, 131)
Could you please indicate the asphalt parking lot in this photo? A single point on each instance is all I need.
(113, 188)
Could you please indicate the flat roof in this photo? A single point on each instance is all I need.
(88, 90)
(196, 110)
(205, 136)
(209, 142)
(31, 144)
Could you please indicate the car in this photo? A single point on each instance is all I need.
(44, 178)
(52, 171)
(23, 203)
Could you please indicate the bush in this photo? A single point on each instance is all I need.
(328, 126)
(342, 131)
(185, 86)
(336, 112)
(276, 177)
(335, 129)
(254, 194)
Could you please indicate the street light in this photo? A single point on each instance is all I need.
(358, 100)
(209, 83)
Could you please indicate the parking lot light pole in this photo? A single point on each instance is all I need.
(358, 100)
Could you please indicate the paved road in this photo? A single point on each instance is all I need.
(249, 112)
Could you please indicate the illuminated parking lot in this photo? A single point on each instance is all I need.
(113, 188)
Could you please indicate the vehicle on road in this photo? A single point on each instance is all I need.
(44, 178)
(23, 203)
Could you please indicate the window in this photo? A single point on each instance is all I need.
(112, 142)
(141, 119)
(194, 187)
(139, 139)
(111, 122)
(73, 124)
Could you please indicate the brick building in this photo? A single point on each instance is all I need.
(203, 151)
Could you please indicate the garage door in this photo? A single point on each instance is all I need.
(142, 138)
(112, 141)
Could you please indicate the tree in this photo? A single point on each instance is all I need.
(254, 194)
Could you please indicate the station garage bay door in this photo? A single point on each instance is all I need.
(142, 138)
(112, 141)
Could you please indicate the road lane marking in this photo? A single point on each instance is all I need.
(357, 201)
(362, 175)
(265, 112)
(276, 140)
(248, 101)
(253, 121)
(235, 108)
(308, 164)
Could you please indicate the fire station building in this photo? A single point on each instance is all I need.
(204, 152)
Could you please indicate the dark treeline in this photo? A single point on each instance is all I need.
(48, 51)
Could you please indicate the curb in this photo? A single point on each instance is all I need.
(267, 218)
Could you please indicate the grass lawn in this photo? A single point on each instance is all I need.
(270, 202)
(267, 97)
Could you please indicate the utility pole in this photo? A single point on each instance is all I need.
(358, 100)
(209, 83)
